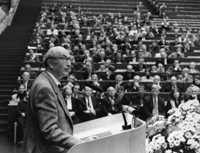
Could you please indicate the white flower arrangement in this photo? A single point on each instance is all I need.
(180, 133)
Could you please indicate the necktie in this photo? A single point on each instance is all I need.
(112, 103)
(25, 85)
(155, 106)
(89, 104)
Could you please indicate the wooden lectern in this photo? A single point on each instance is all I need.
(112, 138)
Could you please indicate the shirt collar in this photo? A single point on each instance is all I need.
(55, 80)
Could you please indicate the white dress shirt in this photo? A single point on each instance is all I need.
(69, 102)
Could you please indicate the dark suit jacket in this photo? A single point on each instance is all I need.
(106, 106)
(49, 127)
(116, 60)
(29, 84)
(75, 108)
(168, 87)
(148, 87)
(128, 75)
(138, 102)
(95, 103)
(148, 106)
(138, 68)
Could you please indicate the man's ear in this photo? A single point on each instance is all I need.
(50, 63)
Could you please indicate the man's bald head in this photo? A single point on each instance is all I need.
(55, 52)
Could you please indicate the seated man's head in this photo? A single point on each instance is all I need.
(25, 76)
(88, 66)
(141, 90)
(162, 50)
(185, 71)
(119, 55)
(176, 62)
(67, 90)
(88, 91)
(95, 78)
(141, 61)
(102, 54)
(31, 52)
(156, 79)
(71, 78)
(133, 55)
(129, 68)
(108, 62)
(27, 67)
(173, 80)
(120, 91)
(119, 78)
(169, 71)
(197, 79)
(154, 90)
(87, 53)
(111, 91)
(144, 48)
(76, 88)
(192, 65)
(163, 55)
(147, 72)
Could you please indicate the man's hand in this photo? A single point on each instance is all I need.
(72, 113)
(91, 138)
(23, 114)
(87, 111)
(93, 111)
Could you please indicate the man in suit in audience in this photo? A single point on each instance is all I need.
(134, 86)
(33, 75)
(157, 82)
(109, 103)
(185, 77)
(25, 81)
(172, 85)
(177, 54)
(49, 127)
(132, 59)
(118, 82)
(140, 67)
(129, 73)
(154, 105)
(76, 91)
(192, 68)
(72, 104)
(121, 97)
(138, 101)
(89, 106)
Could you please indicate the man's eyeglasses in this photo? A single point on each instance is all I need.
(65, 58)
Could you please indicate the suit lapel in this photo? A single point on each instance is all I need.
(59, 95)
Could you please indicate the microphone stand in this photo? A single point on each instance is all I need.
(125, 126)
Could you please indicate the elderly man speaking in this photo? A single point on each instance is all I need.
(49, 126)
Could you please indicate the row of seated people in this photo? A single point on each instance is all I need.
(88, 105)
(130, 81)
(120, 34)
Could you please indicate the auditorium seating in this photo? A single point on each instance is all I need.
(188, 13)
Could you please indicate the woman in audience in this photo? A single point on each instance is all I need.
(196, 80)
(20, 95)
(175, 100)
(147, 76)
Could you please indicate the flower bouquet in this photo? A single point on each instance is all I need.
(179, 133)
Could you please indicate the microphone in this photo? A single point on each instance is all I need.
(130, 110)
